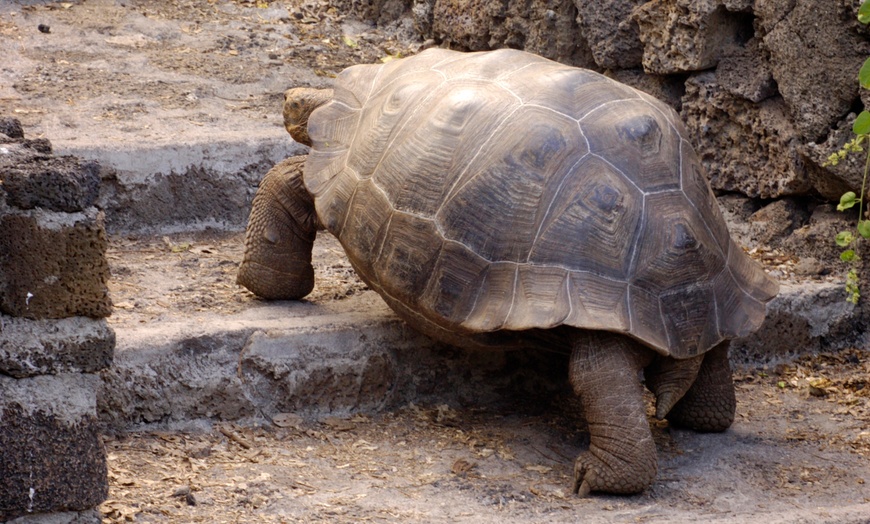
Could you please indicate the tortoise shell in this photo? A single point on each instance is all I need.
(503, 191)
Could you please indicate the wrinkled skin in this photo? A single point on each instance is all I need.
(299, 102)
(696, 393)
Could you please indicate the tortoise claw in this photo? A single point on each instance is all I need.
(582, 489)
(584, 475)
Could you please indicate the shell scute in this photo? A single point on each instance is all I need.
(638, 141)
(459, 113)
(692, 319)
(402, 263)
(568, 91)
(483, 66)
(591, 222)
(675, 249)
(371, 212)
(495, 203)
(599, 303)
(453, 290)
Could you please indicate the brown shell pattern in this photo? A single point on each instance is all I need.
(503, 191)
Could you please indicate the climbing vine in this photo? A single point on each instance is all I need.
(861, 129)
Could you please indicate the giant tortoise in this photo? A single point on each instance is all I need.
(502, 200)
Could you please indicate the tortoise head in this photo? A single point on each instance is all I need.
(299, 103)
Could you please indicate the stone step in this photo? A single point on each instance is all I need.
(351, 356)
(354, 355)
(194, 183)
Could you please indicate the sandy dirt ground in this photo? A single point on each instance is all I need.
(131, 70)
(799, 450)
(156, 71)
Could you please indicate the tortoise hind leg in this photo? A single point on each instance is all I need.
(280, 236)
(710, 403)
(604, 372)
(669, 379)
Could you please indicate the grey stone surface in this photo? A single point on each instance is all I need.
(53, 265)
(815, 51)
(349, 357)
(53, 457)
(34, 145)
(356, 356)
(832, 181)
(547, 28)
(815, 238)
(11, 127)
(188, 185)
(668, 89)
(748, 148)
(681, 35)
(611, 32)
(777, 220)
(66, 517)
(380, 11)
(32, 179)
(803, 319)
(744, 71)
(66, 397)
(48, 347)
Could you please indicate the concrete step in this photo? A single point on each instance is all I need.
(197, 182)
(192, 345)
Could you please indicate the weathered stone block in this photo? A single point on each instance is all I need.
(188, 186)
(48, 347)
(31, 146)
(815, 239)
(816, 52)
(611, 32)
(683, 35)
(379, 11)
(803, 319)
(55, 183)
(745, 72)
(53, 457)
(422, 13)
(832, 181)
(746, 147)
(67, 517)
(668, 89)
(547, 28)
(777, 220)
(11, 127)
(53, 265)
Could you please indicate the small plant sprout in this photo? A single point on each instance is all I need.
(861, 128)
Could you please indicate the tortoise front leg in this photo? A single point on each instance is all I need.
(280, 236)
(604, 371)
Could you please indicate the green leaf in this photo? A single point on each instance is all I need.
(861, 126)
(844, 238)
(848, 255)
(853, 292)
(864, 228)
(864, 12)
(848, 200)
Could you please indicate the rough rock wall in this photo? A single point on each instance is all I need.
(53, 334)
(765, 86)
